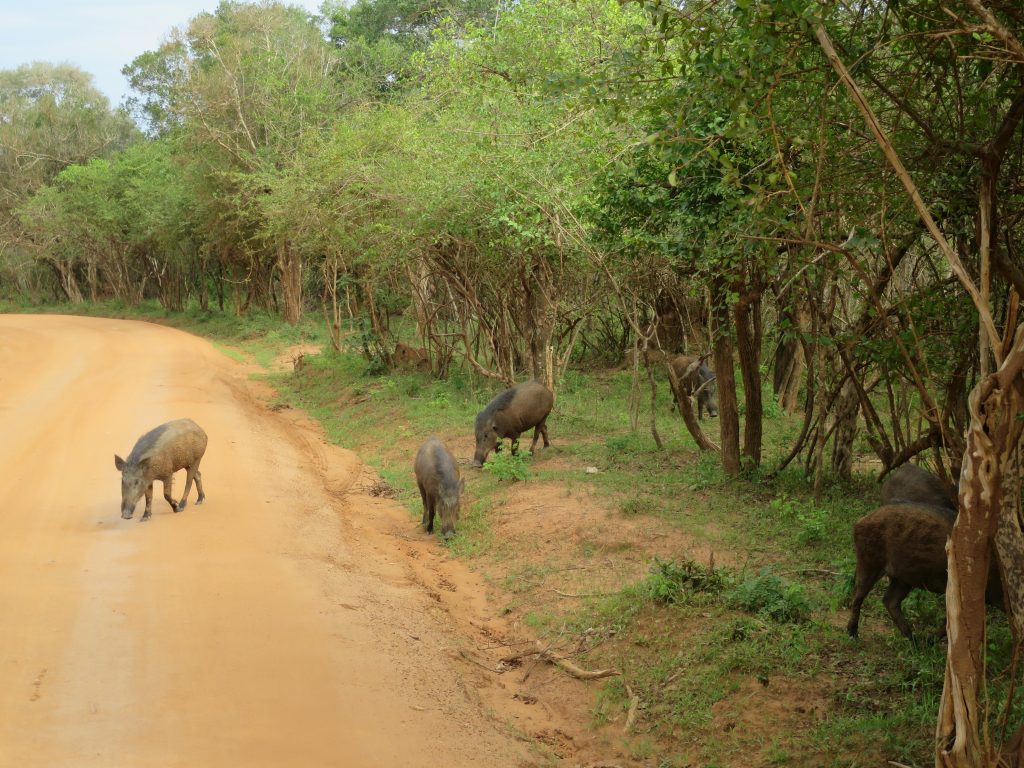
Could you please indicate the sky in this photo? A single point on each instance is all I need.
(99, 36)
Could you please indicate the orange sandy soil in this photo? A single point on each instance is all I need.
(285, 622)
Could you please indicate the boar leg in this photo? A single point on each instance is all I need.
(149, 503)
(542, 430)
(515, 445)
(199, 486)
(892, 599)
(431, 509)
(191, 473)
(168, 485)
(426, 518)
(866, 579)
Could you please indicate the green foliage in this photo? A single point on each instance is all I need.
(504, 465)
(670, 581)
(810, 520)
(772, 597)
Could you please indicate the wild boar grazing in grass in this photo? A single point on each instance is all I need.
(700, 380)
(907, 543)
(157, 456)
(509, 415)
(909, 483)
(440, 484)
(411, 357)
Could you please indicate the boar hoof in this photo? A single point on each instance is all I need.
(200, 500)
(144, 518)
(181, 505)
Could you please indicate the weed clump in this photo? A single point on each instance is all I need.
(669, 581)
(505, 465)
(771, 597)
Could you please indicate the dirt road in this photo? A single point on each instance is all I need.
(249, 631)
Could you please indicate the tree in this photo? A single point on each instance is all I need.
(51, 117)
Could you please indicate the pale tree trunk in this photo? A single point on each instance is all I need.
(289, 264)
(790, 362)
(419, 278)
(332, 310)
(992, 443)
(846, 410)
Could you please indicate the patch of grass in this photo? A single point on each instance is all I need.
(772, 597)
(505, 465)
(639, 505)
(670, 582)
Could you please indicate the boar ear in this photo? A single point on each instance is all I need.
(119, 463)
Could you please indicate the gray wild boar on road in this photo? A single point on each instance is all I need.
(509, 415)
(157, 455)
(440, 484)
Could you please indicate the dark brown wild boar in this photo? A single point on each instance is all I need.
(912, 484)
(157, 455)
(907, 543)
(437, 476)
(700, 380)
(509, 415)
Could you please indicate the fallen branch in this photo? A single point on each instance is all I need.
(479, 663)
(560, 593)
(634, 705)
(560, 661)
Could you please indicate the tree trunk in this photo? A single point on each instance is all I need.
(748, 344)
(846, 410)
(289, 264)
(790, 361)
(994, 435)
(728, 411)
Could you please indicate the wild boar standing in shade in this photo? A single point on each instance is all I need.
(910, 483)
(440, 484)
(509, 415)
(700, 380)
(907, 543)
(157, 455)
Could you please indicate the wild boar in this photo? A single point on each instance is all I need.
(157, 455)
(440, 484)
(700, 380)
(412, 357)
(907, 543)
(912, 484)
(509, 415)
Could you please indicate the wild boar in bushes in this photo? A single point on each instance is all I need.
(700, 380)
(907, 543)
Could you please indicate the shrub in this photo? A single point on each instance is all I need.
(505, 465)
(771, 597)
(668, 581)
